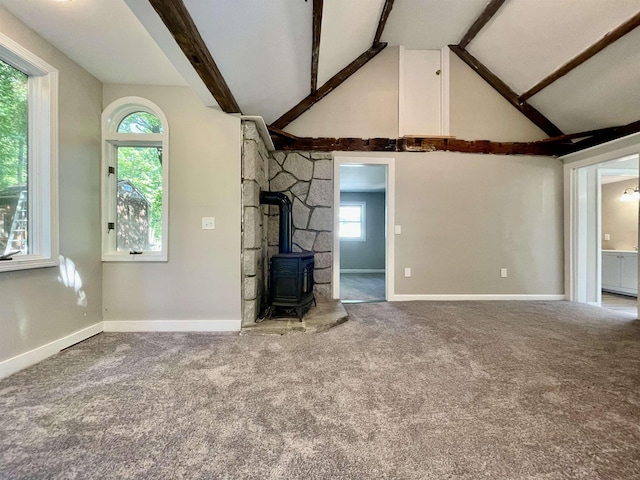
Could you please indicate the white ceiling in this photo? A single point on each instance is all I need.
(602, 92)
(528, 39)
(348, 29)
(618, 178)
(430, 24)
(103, 36)
(363, 178)
(263, 48)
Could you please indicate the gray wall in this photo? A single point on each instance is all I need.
(35, 307)
(366, 106)
(465, 216)
(201, 280)
(619, 219)
(369, 254)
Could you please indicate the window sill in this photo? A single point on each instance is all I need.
(26, 263)
(143, 257)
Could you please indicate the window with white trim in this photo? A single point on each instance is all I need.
(353, 221)
(28, 159)
(135, 184)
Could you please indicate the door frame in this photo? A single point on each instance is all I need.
(576, 264)
(389, 220)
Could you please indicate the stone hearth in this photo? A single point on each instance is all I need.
(318, 319)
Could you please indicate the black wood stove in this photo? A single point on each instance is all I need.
(290, 273)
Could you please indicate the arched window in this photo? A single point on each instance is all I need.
(135, 182)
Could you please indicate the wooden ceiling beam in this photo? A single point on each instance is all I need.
(386, 10)
(417, 144)
(606, 135)
(328, 87)
(579, 59)
(176, 17)
(487, 14)
(315, 49)
(281, 133)
(587, 133)
(503, 89)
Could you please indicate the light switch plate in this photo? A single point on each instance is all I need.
(503, 272)
(407, 272)
(208, 223)
(398, 229)
(607, 237)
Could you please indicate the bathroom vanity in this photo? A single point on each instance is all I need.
(620, 271)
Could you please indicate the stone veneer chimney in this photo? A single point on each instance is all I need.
(307, 179)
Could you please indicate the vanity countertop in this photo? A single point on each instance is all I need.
(619, 251)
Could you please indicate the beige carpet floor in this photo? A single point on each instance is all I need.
(439, 390)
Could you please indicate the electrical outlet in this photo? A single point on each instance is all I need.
(208, 223)
(503, 272)
(407, 272)
(607, 237)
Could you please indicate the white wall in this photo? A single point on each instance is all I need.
(36, 308)
(201, 280)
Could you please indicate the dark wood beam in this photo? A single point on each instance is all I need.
(606, 135)
(503, 89)
(176, 18)
(386, 10)
(490, 10)
(418, 144)
(328, 87)
(597, 47)
(585, 134)
(315, 49)
(281, 133)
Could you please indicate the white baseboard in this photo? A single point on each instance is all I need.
(24, 360)
(362, 270)
(479, 297)
(172, 325)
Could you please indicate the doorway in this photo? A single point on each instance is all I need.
(363, 195)
(604, 230)
(618, 220)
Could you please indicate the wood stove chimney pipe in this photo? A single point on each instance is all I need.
(284, 207)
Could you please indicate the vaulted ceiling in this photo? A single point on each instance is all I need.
(570, 66)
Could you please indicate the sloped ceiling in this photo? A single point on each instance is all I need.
(348, 29)
(263, 48)
(527, 40)
(104, 37)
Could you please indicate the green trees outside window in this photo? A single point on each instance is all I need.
(14, 127)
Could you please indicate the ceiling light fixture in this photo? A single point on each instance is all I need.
(632, 196)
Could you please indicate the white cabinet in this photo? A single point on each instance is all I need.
(620, 272)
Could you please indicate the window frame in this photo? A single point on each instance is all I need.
(363, 221)
(112, 116)
(42, 148)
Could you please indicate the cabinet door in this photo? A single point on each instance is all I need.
(629, 273)
(610, 270)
